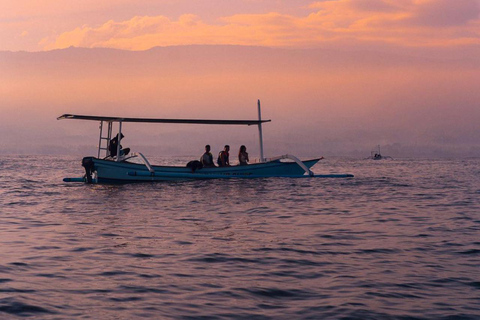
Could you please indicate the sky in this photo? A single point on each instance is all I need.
(337, 77)
(36, 25)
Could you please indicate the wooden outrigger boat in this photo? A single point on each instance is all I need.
(118, 169)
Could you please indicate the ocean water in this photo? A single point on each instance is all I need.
(401, 240)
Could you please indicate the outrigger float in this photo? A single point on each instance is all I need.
(118, 169)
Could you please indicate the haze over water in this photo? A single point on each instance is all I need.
(398, 241)
(327, 101)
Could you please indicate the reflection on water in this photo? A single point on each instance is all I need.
(399, 241)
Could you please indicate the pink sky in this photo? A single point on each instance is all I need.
(36, 25)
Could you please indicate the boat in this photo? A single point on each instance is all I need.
(376, 155)
(117, 167)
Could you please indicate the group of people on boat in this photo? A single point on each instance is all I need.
(206, 160)
(223, 159)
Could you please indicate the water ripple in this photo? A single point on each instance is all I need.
(21, 309)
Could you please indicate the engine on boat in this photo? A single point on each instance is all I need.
(88, 164)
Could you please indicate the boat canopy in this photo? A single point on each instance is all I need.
(151, 120)
(110, 120)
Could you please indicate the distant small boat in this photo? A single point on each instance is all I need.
(118, 169)
(376, 155)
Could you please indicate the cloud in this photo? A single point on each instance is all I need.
(358, 5)
(401, 22)
(445, 13)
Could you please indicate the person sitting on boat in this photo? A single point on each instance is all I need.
(207, 158)
(113, 146)
(223, 157)
(243, 156)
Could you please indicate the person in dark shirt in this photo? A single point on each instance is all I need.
(112, 147)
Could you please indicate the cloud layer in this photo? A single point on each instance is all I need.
(399, 22)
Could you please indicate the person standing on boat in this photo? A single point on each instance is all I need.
(223, 156)
(243, 156)
(112, 147)
(207, 158)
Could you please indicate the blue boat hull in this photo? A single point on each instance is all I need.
(110, 171)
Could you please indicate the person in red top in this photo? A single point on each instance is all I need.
(223, 156)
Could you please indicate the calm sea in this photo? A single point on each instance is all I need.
(401, 240)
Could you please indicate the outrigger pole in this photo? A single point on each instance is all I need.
(260, 135)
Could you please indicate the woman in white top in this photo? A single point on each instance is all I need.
(243, 156)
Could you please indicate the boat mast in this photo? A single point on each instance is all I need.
(260, 135)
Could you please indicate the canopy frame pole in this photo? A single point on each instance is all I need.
(109, 138)
(118, 140)
(100, 139)
(260, 134)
